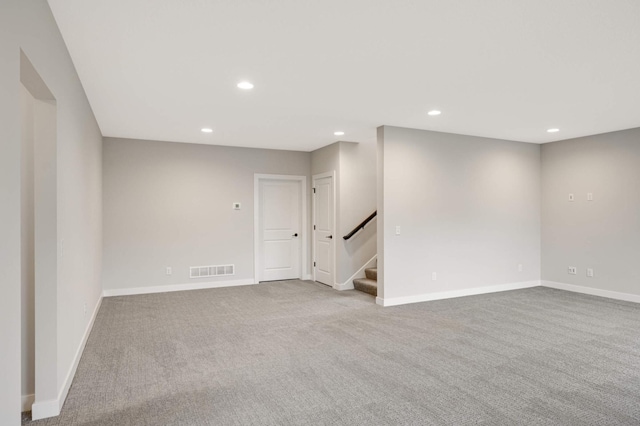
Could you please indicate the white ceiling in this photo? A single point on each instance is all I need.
(510, 69)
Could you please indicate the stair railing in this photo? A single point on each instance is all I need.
(361, 226)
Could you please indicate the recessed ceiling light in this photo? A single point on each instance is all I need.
(338, 133)
(434, 112)
(207, 130)
(553, 130)
(245, 85)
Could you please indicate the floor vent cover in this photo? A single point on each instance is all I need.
(211, 271)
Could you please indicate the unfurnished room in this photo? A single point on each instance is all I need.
(350, 212)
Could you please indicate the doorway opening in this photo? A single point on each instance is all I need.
(39, 240)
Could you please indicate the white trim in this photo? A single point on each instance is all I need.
(76, 360)
(256, 228)
(45, 409)
(307, 277)
(257, 177)
(343, 286)
(27, 402)
(175, 287)
(332, 175)
(627, 297)
(348, 284)
(52, 407)
(394, 301)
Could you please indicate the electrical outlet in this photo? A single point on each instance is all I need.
(237, 206)
(169, 271)
(519, 267)
(572, 197)
(434, 276)
(573, 270)
(590, 272)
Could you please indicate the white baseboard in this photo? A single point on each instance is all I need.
(175, 287)
(343, 286)
(428, 297)
(348, 285)
(307, 277)
(627, 297)
(45, 409)
(52, 407)
(27, 402)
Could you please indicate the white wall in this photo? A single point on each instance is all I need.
(355, 168)
(170, 205)
(468, 208)
(380, 243)
(28, 244)
(10, 221)
(603, 234)
(29, 25)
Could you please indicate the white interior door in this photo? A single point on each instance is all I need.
(323, 238)
(280, 229)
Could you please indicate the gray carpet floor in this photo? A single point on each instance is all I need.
(301, 353)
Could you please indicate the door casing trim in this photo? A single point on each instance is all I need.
(304, 259)
(334, 274)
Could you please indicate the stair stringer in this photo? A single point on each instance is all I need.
(348, 285)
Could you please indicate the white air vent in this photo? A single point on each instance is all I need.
(211, 271)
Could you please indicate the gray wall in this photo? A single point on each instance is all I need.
(326, 159)
(603, 234)
(468, 208)
(170, 204)
(29, 25)
(355, 168)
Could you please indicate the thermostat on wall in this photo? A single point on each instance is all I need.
(236, 206)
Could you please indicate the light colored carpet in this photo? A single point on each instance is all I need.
(301, 353)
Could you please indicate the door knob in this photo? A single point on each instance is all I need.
(330, 237)
(295, 235)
